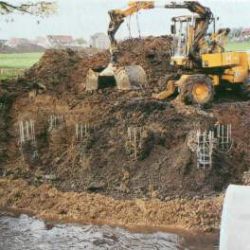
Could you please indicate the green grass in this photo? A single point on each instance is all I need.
(19, 61)
(11, 65)
(234, 46)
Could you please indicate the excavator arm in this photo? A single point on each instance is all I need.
(117, 17)
(192, 6)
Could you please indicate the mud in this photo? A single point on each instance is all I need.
(50, 204)
(121, 144)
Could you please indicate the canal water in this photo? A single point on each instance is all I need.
(26, 233)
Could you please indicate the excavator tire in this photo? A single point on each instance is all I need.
(197, 89)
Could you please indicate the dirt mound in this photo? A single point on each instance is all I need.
(65, 70)
(123, 144)
(152, 54)
(50, 204)
(55, 70)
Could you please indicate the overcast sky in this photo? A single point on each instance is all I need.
(81, 18)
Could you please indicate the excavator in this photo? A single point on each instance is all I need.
(199, 65)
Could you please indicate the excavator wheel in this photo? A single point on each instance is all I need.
(197, 89)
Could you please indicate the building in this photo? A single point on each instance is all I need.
(3, 42)
(99, 41)
(16, 42)
(43, 42)
(240, 34)
(246, 34)
(22, 45)
(60, 41)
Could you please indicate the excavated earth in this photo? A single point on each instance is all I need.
(110, 143)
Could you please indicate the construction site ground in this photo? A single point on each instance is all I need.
(110, 156)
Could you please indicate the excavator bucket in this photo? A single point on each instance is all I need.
(124, 78)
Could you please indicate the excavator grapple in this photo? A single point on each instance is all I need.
(124, 78)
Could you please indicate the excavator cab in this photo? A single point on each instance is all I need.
(182, 29)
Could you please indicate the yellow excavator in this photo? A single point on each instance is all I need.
(200, 63)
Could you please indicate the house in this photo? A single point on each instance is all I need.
(43, 42)
(245, 34)
(60, 41)
(3, 42)
(240, 34)
(99, 41)
(16, 42)
(22, 45)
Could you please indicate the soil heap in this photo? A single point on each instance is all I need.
(123, 144)
(66, 70)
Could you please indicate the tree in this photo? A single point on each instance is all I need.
(41, 8)
(81, 41)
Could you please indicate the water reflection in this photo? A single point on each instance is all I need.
(27, 233)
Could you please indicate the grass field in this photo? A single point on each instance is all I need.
(234, 46)
(12, 65)
(19, 61)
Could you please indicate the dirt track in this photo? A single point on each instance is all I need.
(83, 142)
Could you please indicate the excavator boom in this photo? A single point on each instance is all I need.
(192, 6)
(118, 16)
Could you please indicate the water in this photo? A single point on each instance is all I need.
(26, 233)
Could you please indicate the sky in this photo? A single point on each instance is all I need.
(83, 18)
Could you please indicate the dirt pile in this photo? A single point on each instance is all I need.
(65, 70)
(6, 101)
(122, 144)
(237, 160)
(50, 204)
(152, 54)
(60, 70)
